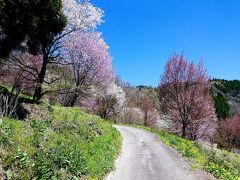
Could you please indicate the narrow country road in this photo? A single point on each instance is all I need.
(144, 157)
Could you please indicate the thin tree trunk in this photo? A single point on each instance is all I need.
(184, 130)
(146, 119)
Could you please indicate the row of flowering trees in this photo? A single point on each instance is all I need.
(74, 67)
(140, 105)
(75, 64)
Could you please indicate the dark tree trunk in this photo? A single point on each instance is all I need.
(41, 76)
(71, 101)
(103, 115)
(146, 119)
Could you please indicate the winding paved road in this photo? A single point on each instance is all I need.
(144, 157)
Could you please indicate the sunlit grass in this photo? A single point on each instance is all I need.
(64, 143)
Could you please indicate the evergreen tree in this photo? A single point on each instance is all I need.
(222, 107)
(35, 22)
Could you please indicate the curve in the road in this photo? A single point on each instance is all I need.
(144, 157)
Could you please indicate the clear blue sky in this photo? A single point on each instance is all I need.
(142, 35)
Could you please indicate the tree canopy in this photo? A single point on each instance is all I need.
(34, 22)
(184, 93)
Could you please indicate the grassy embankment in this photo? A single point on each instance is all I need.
(57, 143)
(222, 164)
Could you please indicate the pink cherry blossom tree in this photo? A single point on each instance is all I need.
(91, 64)
(151, 115)
(153, 119)
(228, 133)
(21, 70)
(184, 93)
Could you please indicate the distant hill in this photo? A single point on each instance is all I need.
(227, 97)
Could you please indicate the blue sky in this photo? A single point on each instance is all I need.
(143, 34)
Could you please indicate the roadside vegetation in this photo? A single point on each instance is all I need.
(57, 143)
(222, 164)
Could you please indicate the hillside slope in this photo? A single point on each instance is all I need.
(57, 143)
(226, 93)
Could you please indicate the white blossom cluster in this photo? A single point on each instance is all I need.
(117, 92)
(81, 15)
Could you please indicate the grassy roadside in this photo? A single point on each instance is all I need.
(222, 164)
(57, 143)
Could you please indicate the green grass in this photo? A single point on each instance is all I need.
(222, 164)
(63, 143)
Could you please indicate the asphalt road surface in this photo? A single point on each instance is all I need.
(144, 157)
